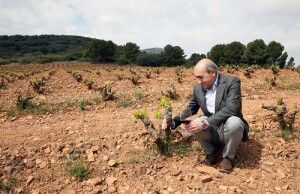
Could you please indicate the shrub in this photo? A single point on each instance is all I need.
(271, 81)
(78, 77)
(82, 104)
(37, 85)
(178, 72)
(2, 83)
(135, 77)
(107, 93)
(275, 70)
(247, 73)
(119, 77)
(171, 93)
(78, 169)
(157, 71)
(89, 83)
(24, 102)
(285, 118)
(148, 74)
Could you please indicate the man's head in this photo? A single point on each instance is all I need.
(206, 72)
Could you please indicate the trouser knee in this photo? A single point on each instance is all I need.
(234, 125)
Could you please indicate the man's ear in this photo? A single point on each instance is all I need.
(211, 72)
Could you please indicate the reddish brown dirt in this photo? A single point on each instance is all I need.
(36, 145)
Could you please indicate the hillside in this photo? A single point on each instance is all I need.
(69, 125)
(19, 48)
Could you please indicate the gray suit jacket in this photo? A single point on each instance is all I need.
(228, 103)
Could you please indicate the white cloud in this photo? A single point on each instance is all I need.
(194, 25)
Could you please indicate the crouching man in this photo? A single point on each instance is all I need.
(222, 125)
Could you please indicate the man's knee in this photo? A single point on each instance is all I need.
(234, 125)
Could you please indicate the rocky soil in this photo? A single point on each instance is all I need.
(76, 125)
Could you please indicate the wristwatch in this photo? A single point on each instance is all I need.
(204, 124)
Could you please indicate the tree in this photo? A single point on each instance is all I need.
(282, 60)
(216, 54)
(150, 60)
(101, 51)
(129, 53)
(291, 62)
(274, 51)
(194, 59)
(255, 53)
(233, 52)
(173, 55)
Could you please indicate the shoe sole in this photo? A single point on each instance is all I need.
(225, 171)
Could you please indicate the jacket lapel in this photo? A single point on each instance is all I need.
(220, 92)
(202, 100)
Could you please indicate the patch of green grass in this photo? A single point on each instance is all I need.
(166, 147)
(125, 102)
(139, 95)
(66, 104)
(181, 149)
(196, 146)
(287, 134)
(38, 109)
(6, 186)
(77, 169)
(96, 99)
(82, 104)
(11, 112)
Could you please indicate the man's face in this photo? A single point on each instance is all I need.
(204, 77)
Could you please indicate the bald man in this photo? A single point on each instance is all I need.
(222, 125)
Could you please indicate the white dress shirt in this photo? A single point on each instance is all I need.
(210, 97)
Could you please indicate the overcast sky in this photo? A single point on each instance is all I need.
(194, 25)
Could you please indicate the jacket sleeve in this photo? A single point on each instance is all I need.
(192, 107)
(232, 107)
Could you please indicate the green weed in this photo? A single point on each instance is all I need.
(78, 169)
(140, 114)
(82, 104)
(125, 102)
(287, 134)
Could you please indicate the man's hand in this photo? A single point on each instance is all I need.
(196, 126)
(164, 124)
